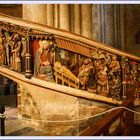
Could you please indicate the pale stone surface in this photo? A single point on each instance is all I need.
(34, 12)
(64, 17)
(56, 15)
(77, 20)
(58, 111)
(50, 15)
(86, 20)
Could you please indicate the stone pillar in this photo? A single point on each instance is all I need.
(77, 22)
(56, 15)
(86, 19)
(109, 24)
(122, 27)
(71, 20)
(95, 25)
(64, 17)
(35, 12)
(50, 15)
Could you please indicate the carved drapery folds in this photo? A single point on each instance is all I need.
(43, 51)
(65, 62)
(114, 77)
(14, 48)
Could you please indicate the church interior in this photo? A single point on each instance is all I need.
(70, 69)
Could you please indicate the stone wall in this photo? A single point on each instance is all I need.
(58, 113)
(132, 26)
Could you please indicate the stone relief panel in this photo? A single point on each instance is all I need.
(12, 50)
(114, 77)
(94, 70)
(101, 73)
(42, 60)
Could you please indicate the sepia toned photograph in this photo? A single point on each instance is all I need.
(69, 69)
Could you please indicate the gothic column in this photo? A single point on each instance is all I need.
(64, 17)
(56, 15)
(122, 26)
(109, 24)
(86, 19)
(95, 25)
(77, 24)
(71, 20)
(109, 21)
(50, 15)
(35, 12)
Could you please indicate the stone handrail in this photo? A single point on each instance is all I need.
(65, 35)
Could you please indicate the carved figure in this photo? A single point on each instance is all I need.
(97, 54)
(15, 54)
(133, 72)
(87, 75)
(114, 78)
(102, 78)
(43, 68)
(65, 75)
(91, 84)
(2, 51)
(114, 65)
(8, 46)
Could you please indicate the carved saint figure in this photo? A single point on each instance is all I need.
(15, 54)
(114, 65)
(114, 77)
(43, 68)
(86, 75)
(8, 45)
(101, 77)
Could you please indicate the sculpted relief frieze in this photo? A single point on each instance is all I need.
(47, 57)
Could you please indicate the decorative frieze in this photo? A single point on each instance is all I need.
(65, 62)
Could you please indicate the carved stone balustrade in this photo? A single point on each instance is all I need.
(60, 58)
(56, 69)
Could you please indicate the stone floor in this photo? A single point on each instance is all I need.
(14, 126)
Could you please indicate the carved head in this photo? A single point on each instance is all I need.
(44, 44)
(87, 61)
(114, 57)
(58, 65)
